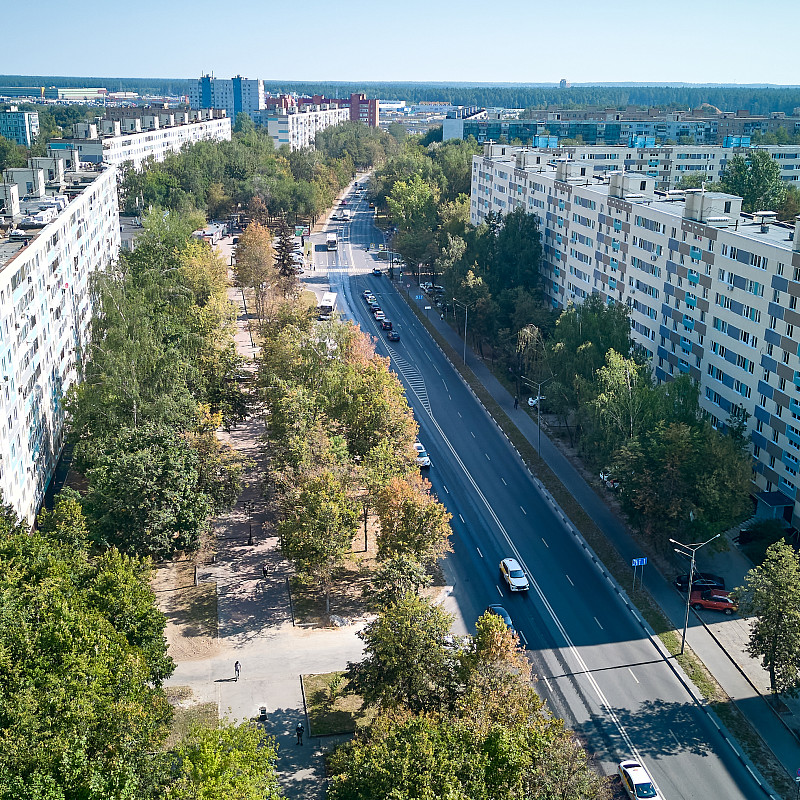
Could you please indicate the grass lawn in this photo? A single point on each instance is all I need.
(344, 715)
(186, 712)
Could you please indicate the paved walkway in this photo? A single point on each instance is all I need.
(718, 641)
(255, 620)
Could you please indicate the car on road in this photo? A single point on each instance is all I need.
(380, 316)
(423, 459)
(370, 299)
(372, 205)
(701, 580)
(366, 293)
(637, 782)
(393, 336)
(713, 600)
(514, 575)
(375, 308)
(376, 271)
(503, 614)
(386, 324)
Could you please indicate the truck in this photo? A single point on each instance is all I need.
(332, 241)
(326, 307)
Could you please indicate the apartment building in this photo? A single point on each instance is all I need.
(299, 126)
(234, 95)
(135, 134)
(21, 127)
(50, 244)
(667, 164)
(712, 292)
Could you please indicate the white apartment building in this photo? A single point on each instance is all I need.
(52, 246)
(137, 138)
(298, 127)
(667, 164)
(21, 127)
(712, 292)
(233, 95)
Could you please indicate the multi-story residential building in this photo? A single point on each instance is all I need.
(233, 95)
(360, 107)
(135, 134)
(53, 244)
(21, 127)
(298, 126)
(712, 292)
(667, 164)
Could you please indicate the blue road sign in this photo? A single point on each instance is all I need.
(418, 297)
(638, 562)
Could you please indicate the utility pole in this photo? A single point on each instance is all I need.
(466, 317)
(538, 386)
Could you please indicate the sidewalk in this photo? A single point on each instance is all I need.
(718, 641)
(255, 622)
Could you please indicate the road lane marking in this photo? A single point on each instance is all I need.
(677, 740)
(549, 687)
(570, 580)
(524, 640)
(473, 435)
(523, 511)
(632, 675)
(446, 489)
(459, 414)
(598, 623)
(479, 552)
(499, 590)
(504, 481)
(545, 543)
(461, 518)
(487, 457)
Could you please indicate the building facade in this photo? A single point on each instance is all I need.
(21, 127)
(298, 127)
(712, 292)
(54, 244)
(233, 95)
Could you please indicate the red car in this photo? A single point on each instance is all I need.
(713, 600)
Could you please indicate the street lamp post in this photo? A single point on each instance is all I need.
(538, 386)
(466, 317)
(249, 508)
(692, 550)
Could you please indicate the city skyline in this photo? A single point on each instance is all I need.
(447, 42)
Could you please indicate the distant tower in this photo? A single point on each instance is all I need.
(564, 84)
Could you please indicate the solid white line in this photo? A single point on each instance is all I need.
(570, 580)
(677, 740)
(523, 511)
(479, 552)
(499, 590)
(598, 622)
(545, 543)
(504, 481)
(632, 675)
(549, 687)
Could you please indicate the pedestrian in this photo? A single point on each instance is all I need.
(299, 730)
(237, 668)
(264, 571)
(516, 402)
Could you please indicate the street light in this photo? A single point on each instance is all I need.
(466, 317)
(538, 385)
(692, 548)
(249, 508)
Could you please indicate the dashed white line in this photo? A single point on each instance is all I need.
(473, 435)
(479, 552)
(598, 623)
(524, 640)
(549, 687)
(487, 457)
(677, 740)
(499, 590)
(545, 543)
(523, 511)
(446, 489)
(504, 481)
(569, 579)
(632, 675)
(459, 414)
(461, 518)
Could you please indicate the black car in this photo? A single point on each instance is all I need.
(393, 336)
(503, 614)
(386, 324)
(701, 580)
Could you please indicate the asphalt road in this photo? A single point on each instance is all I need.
(597, 668)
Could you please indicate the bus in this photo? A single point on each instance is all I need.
(327, 307)
(332, 241)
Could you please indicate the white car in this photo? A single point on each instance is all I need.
(637, 782)
(423, 459)
(514, 575)
(379, 315)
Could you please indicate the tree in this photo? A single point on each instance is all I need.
(406, 661)
(394, 578)
(228, 762)
(11, 154)
(771, 594)
(244, 124)
(412, 522)
(756, 179)
(285, 263)
(255, 263)
(318, 530)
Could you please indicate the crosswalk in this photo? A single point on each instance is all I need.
(412, 377)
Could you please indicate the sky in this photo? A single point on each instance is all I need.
(514, 41)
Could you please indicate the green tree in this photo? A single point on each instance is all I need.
(756, 178)
(12, 154)
(394, 578)
(285, 264)
(771, 594)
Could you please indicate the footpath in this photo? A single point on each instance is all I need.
(255, 621)
(718, 641)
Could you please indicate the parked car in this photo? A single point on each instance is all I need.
(637, 782)
(372, 205)
(423, 459)
(503, 614)
(386, 324)
(701, 580)
(393, 336)
(514, 575)
(713, 600)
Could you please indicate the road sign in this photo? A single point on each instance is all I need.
(299, 230)
(427, 308)
(638, 562)
(418, 297)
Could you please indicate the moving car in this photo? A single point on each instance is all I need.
(713, 600)
(701, 580)
(637, 782)
(369, 299)
(393, 336)
(376, 271)
(504, 615)
(514, 575)
(386, 324)
(423, 459)
(380, 316)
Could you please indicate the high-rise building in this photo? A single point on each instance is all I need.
(234, 95)
(298, 126)
(712, 292)
(21, 127)
(58, 237)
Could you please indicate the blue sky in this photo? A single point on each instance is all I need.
(407, 40)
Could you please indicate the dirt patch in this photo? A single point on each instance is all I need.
(331, 710)
(191, 611)
(186, 711)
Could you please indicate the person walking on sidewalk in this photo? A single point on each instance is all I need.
(236, 669)
(516, 402)
(299, 730)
